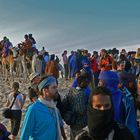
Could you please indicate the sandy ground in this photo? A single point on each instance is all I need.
(5, 89)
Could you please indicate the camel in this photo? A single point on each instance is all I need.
(7, 64)
(18, 61)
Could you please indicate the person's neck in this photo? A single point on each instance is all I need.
(48, 103)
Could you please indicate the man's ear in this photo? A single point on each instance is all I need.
(45, 90)
(44, 93)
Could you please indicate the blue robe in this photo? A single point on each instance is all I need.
(73, 65)
(39, 123)
(124, 110)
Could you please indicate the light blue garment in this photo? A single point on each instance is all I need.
(46, 58)
(40, 123)
(73, 65)
(130, 118)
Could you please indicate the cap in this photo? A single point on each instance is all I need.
(33, 75)
(46, 82)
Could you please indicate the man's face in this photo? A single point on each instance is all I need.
(102, 53)
(101, 102)
(120, 66)
(51, 91)
(36, 80)
(95, 55)
(86, 65)
(101, 83)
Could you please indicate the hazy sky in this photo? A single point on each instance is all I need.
(71, 24)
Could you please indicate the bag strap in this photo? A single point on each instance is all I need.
(13, 101)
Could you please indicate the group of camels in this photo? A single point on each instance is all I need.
(18, 61)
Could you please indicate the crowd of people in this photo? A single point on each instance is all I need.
(101, 103)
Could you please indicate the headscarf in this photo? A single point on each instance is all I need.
(111, 79)
(86, 69)
(100, 123)
(46, 82)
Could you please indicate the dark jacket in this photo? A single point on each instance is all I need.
(120, 133)
(75, 107)
(59, 105)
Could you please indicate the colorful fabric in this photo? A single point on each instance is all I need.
(106, 63)
(94, 65)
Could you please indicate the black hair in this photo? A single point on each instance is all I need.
(46, 53)
(15, 85)
(26, 36)
(4, 37)
(30, 35)
(52, 57)
(122, 57)
(32, 93)
(72, 52)
(127, 66)
(100, 91)
(82, 81)
(120, 62)
(40, 57)
(65, 51)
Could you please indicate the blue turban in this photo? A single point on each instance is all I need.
(46, 82)
(109, 75)
(111, 79)
(85, 61)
